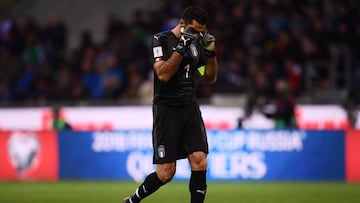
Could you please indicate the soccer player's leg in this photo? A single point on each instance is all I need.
(197, 183)
(164, 154)
(151, 183)
(196, 142)
(164, 173)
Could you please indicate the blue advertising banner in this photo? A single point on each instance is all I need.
(276, 155)
(236, 155)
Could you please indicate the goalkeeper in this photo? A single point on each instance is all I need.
(178, 128)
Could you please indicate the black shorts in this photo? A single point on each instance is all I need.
(177, 132)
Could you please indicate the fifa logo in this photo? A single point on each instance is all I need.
(23, 150)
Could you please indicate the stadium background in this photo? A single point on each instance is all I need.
(92, 58)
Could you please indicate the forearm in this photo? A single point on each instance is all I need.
(165, 70)
(211, 70)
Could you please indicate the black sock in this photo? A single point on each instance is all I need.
(197, 186)
(150, 185)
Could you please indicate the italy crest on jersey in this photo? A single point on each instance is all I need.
(194, 51)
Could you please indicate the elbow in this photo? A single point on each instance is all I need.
(163, 78)
(211, 80)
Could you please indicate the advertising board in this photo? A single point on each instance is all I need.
(309, 117)
(235, 155)
(28, 155)
(353, 155)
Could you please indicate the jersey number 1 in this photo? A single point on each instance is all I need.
(187, 69)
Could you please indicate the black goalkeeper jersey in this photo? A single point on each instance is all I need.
(180, 89)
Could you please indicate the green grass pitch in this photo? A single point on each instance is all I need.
(177, 192)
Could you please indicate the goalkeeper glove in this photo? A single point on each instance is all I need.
(187, 35)
(208, 43)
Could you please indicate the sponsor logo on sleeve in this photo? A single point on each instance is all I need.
(158, 52)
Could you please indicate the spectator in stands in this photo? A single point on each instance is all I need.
(113, 78)
(58, 122)
(5, 93)
(64, 83)
(281, 35)
(261, 91)
(55, 41)
(284, 113)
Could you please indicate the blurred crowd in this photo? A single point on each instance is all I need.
(259, 44)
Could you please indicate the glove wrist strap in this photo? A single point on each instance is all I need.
(181, 49)
(210, 54)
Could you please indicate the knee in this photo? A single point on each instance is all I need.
(198, 161)
(165, 173)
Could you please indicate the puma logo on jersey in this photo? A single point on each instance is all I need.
(156, 37)
(185, 40)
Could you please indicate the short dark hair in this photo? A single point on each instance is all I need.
(194, 13)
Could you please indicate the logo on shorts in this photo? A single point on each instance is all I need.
(161, 151)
